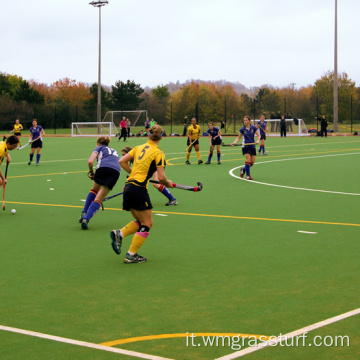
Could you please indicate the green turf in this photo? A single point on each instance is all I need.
(239, 270)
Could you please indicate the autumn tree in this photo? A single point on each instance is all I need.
(71, 91)
(324, 90)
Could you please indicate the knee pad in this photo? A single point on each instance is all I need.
(144, 228)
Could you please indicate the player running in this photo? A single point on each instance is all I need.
(36, 133)
(215, 139)
(262, 126)
(162, 188)
(193, 141)
(17, 130)
(6, 145)
(147, 159)
(106, 175)
(248, 131)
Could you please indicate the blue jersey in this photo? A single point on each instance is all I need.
(262, 127)
(214, 132)
(36, 132)
(107, 157)
(248, 134)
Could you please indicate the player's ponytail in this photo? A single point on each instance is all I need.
(103, 140)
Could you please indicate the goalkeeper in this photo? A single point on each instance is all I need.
(105, 178)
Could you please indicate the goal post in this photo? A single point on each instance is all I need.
(135, 116)
(294, 127)
(89, 129)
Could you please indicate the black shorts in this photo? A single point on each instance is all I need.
(36, 144)
(17, 134)
(195, 143)
(263, 137)
(136, 198)
(249, 150)
(216, 141)
(106, 177)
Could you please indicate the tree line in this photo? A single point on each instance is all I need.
(67, 100)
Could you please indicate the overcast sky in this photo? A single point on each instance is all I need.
(253, 42)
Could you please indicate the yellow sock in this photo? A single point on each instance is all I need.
(187, 156)
(137, 241)
(130, 228)
(198, 155)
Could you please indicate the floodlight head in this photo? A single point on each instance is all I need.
(99, 3)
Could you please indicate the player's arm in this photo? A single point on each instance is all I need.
(125, 162)
(42, 132)
(8, 158)
(162, 177)
(258, 137)
(30, 137)
(2, 177)
(237, 139)
(219, 134)
(266, 129)
(91, 160)
(12, 130)
(210, 138)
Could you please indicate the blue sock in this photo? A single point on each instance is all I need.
(218, 155)
(89, 199)
(31, 157)
(166, 192)
(247, 169)
(93, 209)
(38, 157)
(210, 156)
(263, 148)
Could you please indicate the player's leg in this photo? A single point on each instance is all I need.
(218, 149)
(31, 155)
(38, 155)
(210, 154)
(19, 138)
(247, 164)
(165, 191)
(89, 199)
(145, 219)
(197, 149)
(188, 152)
(102, 192)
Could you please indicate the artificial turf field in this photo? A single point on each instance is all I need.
(228, 259)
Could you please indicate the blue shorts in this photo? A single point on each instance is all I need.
(36, 144)
(249, 150)
(216, 141)
(263, 137)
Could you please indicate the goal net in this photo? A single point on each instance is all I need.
(93, 129)
(294, 127)
(135, 116)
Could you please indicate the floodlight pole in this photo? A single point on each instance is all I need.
(336, 85)
(99, 4)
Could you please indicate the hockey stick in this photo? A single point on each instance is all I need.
(108, 198)
(3, 202)
(190, 145)
(28, 143)
(183, 187)
(239, 144)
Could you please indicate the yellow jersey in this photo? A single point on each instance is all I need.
(18, 128)
(194, 131)
(3, 151)
(147, 158)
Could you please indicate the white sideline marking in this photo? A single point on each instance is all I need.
(231, 172)
(307, 232)
(160, 214)
(82, 343)
(292, 334)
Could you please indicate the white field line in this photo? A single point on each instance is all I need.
(82, 343)
(231, 172)
(292, 334)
